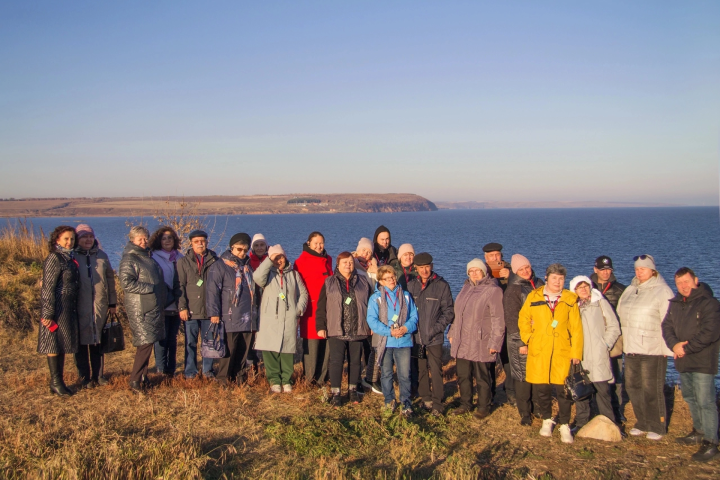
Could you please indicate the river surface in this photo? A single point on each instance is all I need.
(676, 237)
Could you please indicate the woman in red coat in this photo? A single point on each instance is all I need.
(314, 265)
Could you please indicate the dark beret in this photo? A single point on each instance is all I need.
(492, 247)
(243, 238)
(197, 233)
(423, 258)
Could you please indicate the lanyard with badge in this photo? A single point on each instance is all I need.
(394, 304)
(552, 305)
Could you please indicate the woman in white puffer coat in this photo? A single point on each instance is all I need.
(642, 308)
(600, 332)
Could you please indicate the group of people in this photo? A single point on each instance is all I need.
(387, 310)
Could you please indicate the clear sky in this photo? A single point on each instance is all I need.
(610, 101)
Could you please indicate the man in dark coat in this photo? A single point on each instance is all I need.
(605, 282)
(692, 329)
(434, 303)
(384, 252)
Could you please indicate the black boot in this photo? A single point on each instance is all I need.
(707, 452)
(57, 385)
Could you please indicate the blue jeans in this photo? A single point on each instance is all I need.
(166, 350)
(698, 390)
(192, 328)
(400, 357)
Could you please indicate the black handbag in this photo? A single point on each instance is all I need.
(577, 384)
(213, 342)
(113, 338)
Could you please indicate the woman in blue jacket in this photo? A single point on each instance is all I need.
(392, 317)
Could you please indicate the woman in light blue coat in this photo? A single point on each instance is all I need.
(392, 317)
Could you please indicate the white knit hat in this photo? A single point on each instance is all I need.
(258, 236)
(364, 243)
(275, 249)
(476, 263)
(578, 280)
(647, 262)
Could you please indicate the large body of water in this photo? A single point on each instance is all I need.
(676, 237)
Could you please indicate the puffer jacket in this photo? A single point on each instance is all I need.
(142, 281)
(378, 300)
(434, 304)
(696, 320)
(220, 294)
(338, 317)
(641, 309)
(550, 350)
(314, 268)
(58, 302)
(600, 332)
(192, 295)
(612, 290)
(284, 299)
(96, 294)
(515, 295)
(479, 324)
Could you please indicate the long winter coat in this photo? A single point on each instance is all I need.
(479, 324)
(550, 350)
(283, 300)
(514, 298)
(314, 269)
(220, 294)
(58, 302)
(146, 293)
(696, 320)
(600, 332)
(641, 309)
(96, 294)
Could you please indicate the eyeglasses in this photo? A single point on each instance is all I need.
(640, 257)
(240, 249)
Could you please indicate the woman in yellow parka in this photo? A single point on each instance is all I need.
(551, 326)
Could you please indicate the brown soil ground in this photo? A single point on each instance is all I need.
(193, 429)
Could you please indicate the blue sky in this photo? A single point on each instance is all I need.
(608, 101)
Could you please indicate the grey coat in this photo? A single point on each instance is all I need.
(96, 293)
(601, 330)
(278, 327)
(142, 281)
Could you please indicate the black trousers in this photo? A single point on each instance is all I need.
(601, 399)
(466, 372)
(644, 382)
(542, 393)
(523, 396)
(432, 365)
(617, 391)
(338, 350)
(233, 363)
(88, 361)
(142, 358)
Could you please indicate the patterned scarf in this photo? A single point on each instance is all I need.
(242, 271)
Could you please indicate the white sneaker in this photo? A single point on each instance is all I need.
(636, 432)
(287, 388)
(565, 434)
(653, 436)
(275, 389)
(547, 428)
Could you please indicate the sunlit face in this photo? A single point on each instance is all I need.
(685, 284)
(167, 242)
(260, 248)
(555, 282)
(383, 239)
(346, 266)
(424, 271)
(475, 274)
(643, 274)
(66, 239)
(525, 272)
(86, 241)
(199, 245)
(493, 257)
(317, 244)
(583, 290)
(239, 250)
(604, 274)
(407, 259)
(365, 254)
(279, 261)
(140, 240)
(388, 281)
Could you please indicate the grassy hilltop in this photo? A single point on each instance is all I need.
(195, 429)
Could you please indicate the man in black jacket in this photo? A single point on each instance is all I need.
(692, 329)
(192, 272)
(604, 281)
(434, 303)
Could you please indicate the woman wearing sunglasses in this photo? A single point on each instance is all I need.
(641, 309)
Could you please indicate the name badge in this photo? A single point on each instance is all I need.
(348, 301)
(554, 323)
(395, 318)
(199, 283)
(282, 296)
